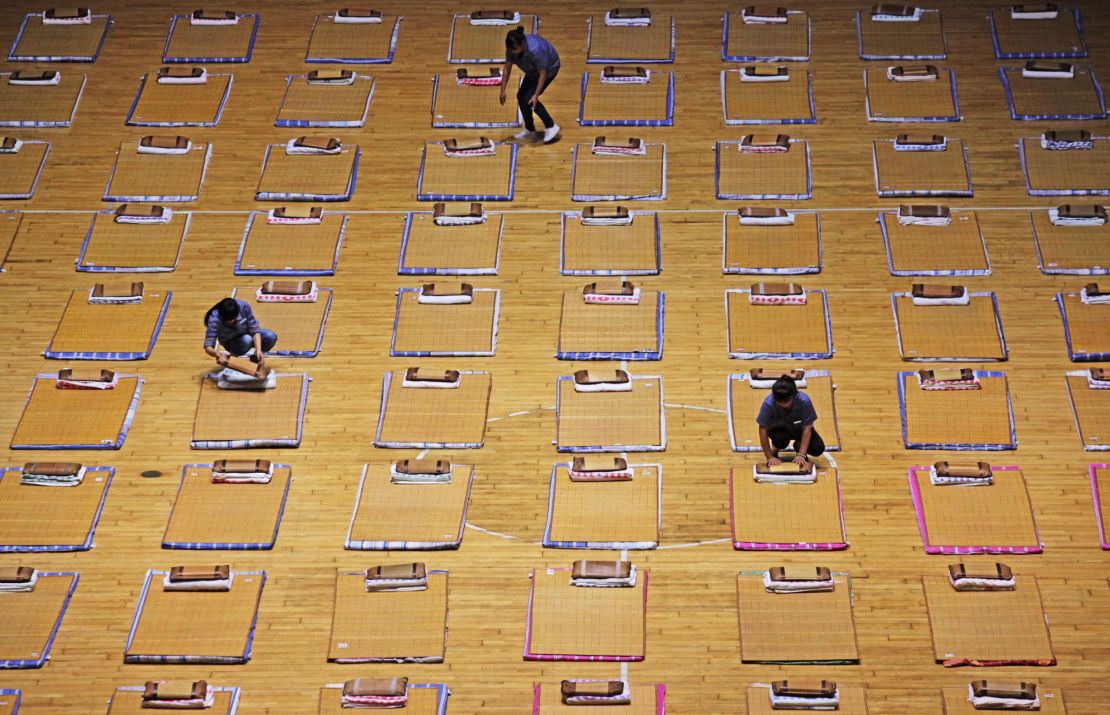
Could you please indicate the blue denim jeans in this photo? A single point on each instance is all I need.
(242, 343)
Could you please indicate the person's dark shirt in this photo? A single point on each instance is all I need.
(800, 414)
(538, 55)
(218, 329)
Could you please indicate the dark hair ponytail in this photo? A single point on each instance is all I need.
(227, 309)
(514, 38)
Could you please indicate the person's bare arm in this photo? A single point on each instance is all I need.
(506, 70)
(258, 349)
(539, 88)
(802, 457)
(765, 445)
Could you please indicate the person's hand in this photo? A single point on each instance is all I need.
(800, 460)
(222, 356)
(532, 102)
(502, 97)
(261, 358)
(773, 461)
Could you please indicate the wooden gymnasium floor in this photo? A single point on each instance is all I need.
(692, 641)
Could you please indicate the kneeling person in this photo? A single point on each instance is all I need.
(231, 322)
(788, 415)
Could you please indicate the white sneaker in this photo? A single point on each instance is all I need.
(525, 135)
(550, 133)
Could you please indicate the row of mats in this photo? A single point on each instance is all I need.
(748, 96)
(777, 168)
(649, 38)
(813, 628)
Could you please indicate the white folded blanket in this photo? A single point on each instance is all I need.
(1062, 73)
(626, 79)
(202, 79)
(82, 20)
(459, 220)
(50, 480)
(459, 299)
(434, 384)
(608, 298)
(14, 149)
(745, 76)
(1097, 384)
(1042, 14)
(762, 19)
(167, 214)
(1089, 299)
(790, 702)
(951, 481)
(164, 150)
(242, 477)
(916, 16)
(787, 220)
(768, 384)
(978, 584)
(924, 220)
(606, 582)
(964, 299)
(922, 147)
(908, 78)
(56, 79)
(1058, 220)
(213, 585)
(809, 477)
(356, 20)
(113, 299)
(607, 220)
(213, 20)
(21, 587)
(88, 384)
(603, 150)
(987, 702)
(514, 20)
(604, 387)
(403, 478)
(627, 21)
(292, 148)
(1058, 145)
(228, 379)
(795, 586)
(396, 584)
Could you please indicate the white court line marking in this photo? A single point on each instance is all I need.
(624, 672)
(423, 453)
(679, 406)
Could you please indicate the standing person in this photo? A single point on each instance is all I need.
(231, 322)
(539, 62)
(788, 415)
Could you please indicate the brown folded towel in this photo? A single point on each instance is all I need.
(493, 15)
(631, 143)
(599, 463)
(593, 689)
(947, 374)
(86, 374)
(800, 573)
(423, 466)
(16, 574)
(358, 12)
(181, 72)
(761, 373)
(424, 374)
(922, 139)
(776, 289)
(596, 377)
(924, 211)
(53, 469)
(766, 140)
(930, 290)
(410, 571)
(758, 212)
(800, 688)
(889, 8)
(1093, 289)
(241, 466)
(767, 71)
(325, 76)
(175, 690)
(915, 71)
(999, 571)
(605, 212)
(946, 469)
(445, 289)
(467, 144)
(601, 569)
(213, 15)
(318, 142)
(182, 574)
(609, 287)
(1082, 211)
(245, 366)
(1004, 689)
(624, 71)
(287, 287)
(118, 290)
(629, 13)
(386, 687)
(1067, 135)
(164, 141)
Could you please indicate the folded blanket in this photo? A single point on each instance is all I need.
(302, 215)
(163, 144)
(287, 292)
(357, 16)
(242, 471)
(752, 216)
(10, 145)
(785, 473)
(1092, 294)
(992, 695)
(981, 578)
(928, 294)
(633, 147)
(602, 381)
(777, 294)
(143, 214)
(961, 475)
(229, 379)
(1078, 215)
(85, 379)
(890, 12)
(24, 78)
(628, 17)
(595, 692)
(474, 215)
(948, 378)
(765, 144)
(446, 294)
(424, 377)
(492, 78)
(110, 293)
(67, 16)
(313, 145)
(606, 216)
(198, 578)
(599, 468)
(182, 75)
(798, 579)
(331, 77)
(18, 579)
(761, 73)
(914, 73)
(397, 577)
(764, 15)
(203, 17)
(1048, 70)
(1067, 140)
(603, 574)
(52, 474)
(469, 147)
(924, 215)
(375, 693)
(420, 471)
(178, 695)
(1042, 11)
(1098, 379)
(617, 74)
(920, 142)
(495, 17)
(611, 291)
(798, 694)
(761, 378)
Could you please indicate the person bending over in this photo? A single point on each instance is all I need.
(788, 415)
(539, 62)
(231, 322)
